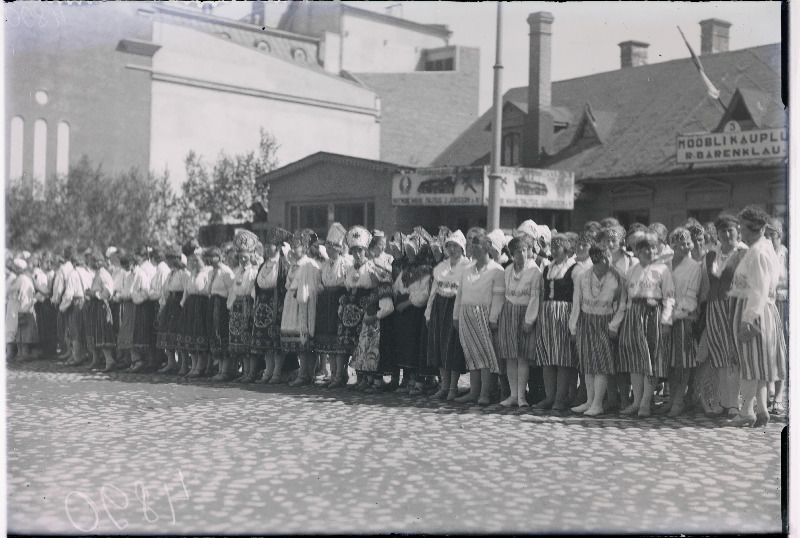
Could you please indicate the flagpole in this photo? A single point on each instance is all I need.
(713, 92)
(493, 217)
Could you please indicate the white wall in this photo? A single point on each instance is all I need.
(186, 117)
(364, 50)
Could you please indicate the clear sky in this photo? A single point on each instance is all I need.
(585, 34)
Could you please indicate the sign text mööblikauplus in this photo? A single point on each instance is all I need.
(734, 146)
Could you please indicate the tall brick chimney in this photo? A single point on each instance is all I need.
(714, 36)
(537, 136)
(633, 53)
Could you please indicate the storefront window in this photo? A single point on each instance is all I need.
(314, 217)
(362, 213)
(626, 218)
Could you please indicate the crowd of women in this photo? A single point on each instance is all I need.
(592, 322)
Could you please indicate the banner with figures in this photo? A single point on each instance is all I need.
(469, 186)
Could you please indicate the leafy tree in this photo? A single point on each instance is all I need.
(223, 192)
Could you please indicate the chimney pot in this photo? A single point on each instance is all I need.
(714, 36)
(537, 133)
(633, 53)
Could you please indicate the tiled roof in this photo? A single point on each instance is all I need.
(639, 111)
(279, 43)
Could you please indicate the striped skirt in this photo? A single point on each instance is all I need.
(192, 324)
(330, 335)
(367, 354)
(444, 346)
(763, 358)
(266, 322)
(27, 330)
(595, 350)
(553, 346)
(680, 347)
(240, 325)
(641, 345)
(99, 325)
(46, 321)
(127, 316)
(476, 339)
(512, 341)
(217, 319)
(144, 333)
(168, 322)
(721, 347)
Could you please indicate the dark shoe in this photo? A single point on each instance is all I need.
(138, 369)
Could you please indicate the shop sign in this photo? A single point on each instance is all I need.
(469, 185)
(732, 146)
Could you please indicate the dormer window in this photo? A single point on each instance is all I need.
(445, 64)
(443, 59)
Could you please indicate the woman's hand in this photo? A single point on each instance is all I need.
(402, 306)
(369, 320)
(493, 325)
(747, 331)
(455, 324)
(666, 329)
(527, 328)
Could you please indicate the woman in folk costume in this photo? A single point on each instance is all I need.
(719, 267)
(411, 293)
(72, 303)
(332, 340)
(553, 347)
(757, 327)
(126, 311)
(193, 339)
(681, 344)
(27, 334)
(43, 309)
(220, 283)
(240, 312)
(598, 307)
(444, 346)
(664, 254)
(476, 310)
(169, 315)
(544, 252)
(373, 294)
(269, 293)
(774, 232)
(143, 342)
(100, 338)
(300, 306)
(648, 320)
(611, 239)
(523, 281)
(12, 305)
(161, 271)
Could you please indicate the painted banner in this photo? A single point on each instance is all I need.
(732, 146)
(469, 185)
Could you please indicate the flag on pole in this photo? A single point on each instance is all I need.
(712, 91)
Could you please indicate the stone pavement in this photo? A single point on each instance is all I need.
(128, 453)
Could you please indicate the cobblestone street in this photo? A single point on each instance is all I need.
(147, 453)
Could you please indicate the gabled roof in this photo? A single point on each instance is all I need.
(279, 43)
(324, 157)
(642, 109)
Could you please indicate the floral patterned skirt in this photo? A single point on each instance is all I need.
(240, 325)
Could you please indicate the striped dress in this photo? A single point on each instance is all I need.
(479, 300)
(598, 307)
(651, 293)
(763, 357)
(681, 346)
(719, 307)
(520, 308)
(553, 344)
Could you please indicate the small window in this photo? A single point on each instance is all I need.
(41, 97)
(443, 64)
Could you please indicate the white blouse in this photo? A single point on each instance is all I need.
(445, 281)
(485, 287)
(687, 277)
(243, 284)
(756, 279)
(333, 273)
(102, 285)
(223, 280)
(358, 277)
(653, 283)
(524, 288)
(268, 273)
(418, 291)
(599, 296)
(197, 282)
